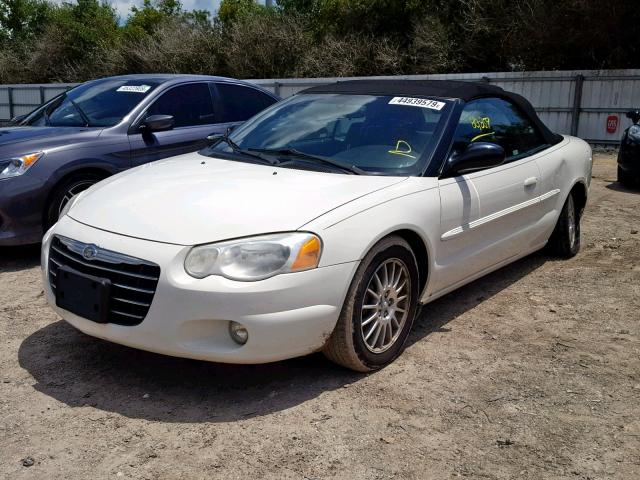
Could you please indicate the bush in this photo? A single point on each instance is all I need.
(175, 47)
(42, 41)
(351, 56)
(265, 46)
(432, 50)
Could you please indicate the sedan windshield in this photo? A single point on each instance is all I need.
(347, 133)
(103, 103)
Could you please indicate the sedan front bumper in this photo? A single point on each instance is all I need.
(21, 210)
(286, 316)
(629, 157)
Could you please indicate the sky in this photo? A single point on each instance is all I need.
(123, 7)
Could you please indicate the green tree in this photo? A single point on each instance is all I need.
(152, 14)
(231, 11)
(74, 42)
(304, 7)
(22, 19)
(387, 18)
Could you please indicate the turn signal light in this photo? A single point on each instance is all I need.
(308, 256)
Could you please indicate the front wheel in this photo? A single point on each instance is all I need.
(624, 178)
(565, 239)
(65, 192)
(379, 309)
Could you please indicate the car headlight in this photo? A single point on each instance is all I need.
(634, 133)
(18, 165)
(255, 258)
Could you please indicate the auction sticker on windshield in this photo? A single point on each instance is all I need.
(134, 88)
(417, 102)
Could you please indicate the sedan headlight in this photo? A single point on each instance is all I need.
(18, 165)
(255, 258)
(634, 133)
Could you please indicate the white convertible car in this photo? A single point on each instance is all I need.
(319, 225)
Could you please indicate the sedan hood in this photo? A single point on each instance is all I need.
(193, 199)
(12, 135)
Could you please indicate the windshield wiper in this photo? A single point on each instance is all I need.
(85, 119)
(241, 151)
(292, 152)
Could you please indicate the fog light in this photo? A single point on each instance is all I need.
(238, 333)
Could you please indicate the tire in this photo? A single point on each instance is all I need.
(352, 342)
(624, 178)
(565, 239)
(63, 192)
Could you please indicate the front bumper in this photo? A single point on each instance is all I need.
(286, 315)
(21, 210)
(629, 157)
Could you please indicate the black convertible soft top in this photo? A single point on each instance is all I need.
(463, 90)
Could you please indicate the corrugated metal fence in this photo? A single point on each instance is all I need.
(572, 102)
(22, 98)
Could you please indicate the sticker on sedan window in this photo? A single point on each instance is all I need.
(417, 102)
(134, 88)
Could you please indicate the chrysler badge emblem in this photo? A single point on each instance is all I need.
(89, 252)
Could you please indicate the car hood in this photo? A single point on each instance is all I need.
(11, 135)
(193, 199)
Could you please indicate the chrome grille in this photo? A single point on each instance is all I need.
(133, 280)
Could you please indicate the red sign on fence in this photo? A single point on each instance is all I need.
(612, 123)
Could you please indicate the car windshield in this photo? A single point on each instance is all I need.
(373, 134)
(103, 103)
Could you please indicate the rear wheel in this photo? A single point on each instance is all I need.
(379, 309)
(624, 178)
(565, 239)
(64, 192)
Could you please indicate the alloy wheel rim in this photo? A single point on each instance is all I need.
(385, 305)
(72, 192)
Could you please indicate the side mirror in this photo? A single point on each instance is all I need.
(17, 119)
(214, 138)
(476, 156)
(157, 123)
(634, 115)
(217, 136)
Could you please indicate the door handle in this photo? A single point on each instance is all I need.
(530, 181)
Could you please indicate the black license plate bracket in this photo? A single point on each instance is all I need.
(84, 295)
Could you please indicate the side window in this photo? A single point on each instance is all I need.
(497, 121)
(238, 103)
(190, 105)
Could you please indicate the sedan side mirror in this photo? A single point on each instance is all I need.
(476, 156)
(634, 115)
(157, 123)
(17, 119)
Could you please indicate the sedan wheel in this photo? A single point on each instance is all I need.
(565, 239)
(64, 192)
(624, 178)
(379, 309)
(73, 190)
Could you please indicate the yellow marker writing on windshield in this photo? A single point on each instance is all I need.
(402, 148)
(482, 135)
(482, 123)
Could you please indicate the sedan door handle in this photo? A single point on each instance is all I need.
(530, 181)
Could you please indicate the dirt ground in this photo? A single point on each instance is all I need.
(532, 372)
